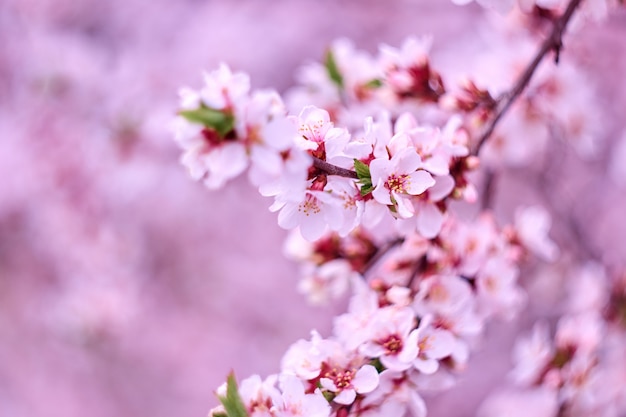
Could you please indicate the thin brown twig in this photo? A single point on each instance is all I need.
(554, 42)
(381, 252)
(486, 200)
(420, 266)
(331, 169)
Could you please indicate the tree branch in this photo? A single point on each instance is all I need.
(486, 200)
(381, 252)
(331, 169)
(554, 42)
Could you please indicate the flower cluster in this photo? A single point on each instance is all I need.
(323, 177)
(408, 328)
(223, 129)
(370, 164)
(582, 367)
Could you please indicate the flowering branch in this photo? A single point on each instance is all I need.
(439, 280)
(554, 42)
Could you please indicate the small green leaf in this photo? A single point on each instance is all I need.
(365, 190)
(376, 363)
(232, 402)
(329, 396)
(362, 170)
(220, 121)
(365, 178)
(373, 84)
(332, 69)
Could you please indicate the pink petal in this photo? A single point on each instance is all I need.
(411, 347)
(429, 220)
(404, 206)
(407, 161)
(426, 366)
(346, 397)
(418, 182)
(328, 384)
(442, 188)
(366, 379)
(381, 194)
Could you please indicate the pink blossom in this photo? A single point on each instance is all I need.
(397, 179)
(295, 402)
(347, 383)
(393, 338)
(531, 354)
(434, 345)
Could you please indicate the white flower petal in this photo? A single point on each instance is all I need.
(366, 379)
(418, 182)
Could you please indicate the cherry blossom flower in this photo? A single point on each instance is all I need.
(396, 395)
(408, 72)
(429, 217)
(398, 178)
(393, 338)
(258, 395)
(347, 383)
(224, 89)
(531, 354)
(295, 402)
(497, 289)
(532, 225)
(318, 212)
(353, 328)
(304, 358)
(434, 345)
(331, 280)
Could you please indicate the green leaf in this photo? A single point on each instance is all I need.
(332, 69)
(365, 178)
(376, 363)
(218, 120)
(373, 84)
(329, 396)
(365, 190)
(232, 402)
(362, 170)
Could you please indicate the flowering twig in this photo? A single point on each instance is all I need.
(554, 42)
(331, 169)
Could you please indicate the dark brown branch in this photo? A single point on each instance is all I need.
(486, 200)
(381, 252)
(420, 266)
(331, 169)
(554, 42)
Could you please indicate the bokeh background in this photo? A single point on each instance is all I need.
(126, 289)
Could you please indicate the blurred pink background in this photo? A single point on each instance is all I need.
(126, 289)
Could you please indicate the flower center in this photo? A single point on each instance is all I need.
(397, 183)
(425, 343)
(309, 206)
(341, 379)
(392, 344)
